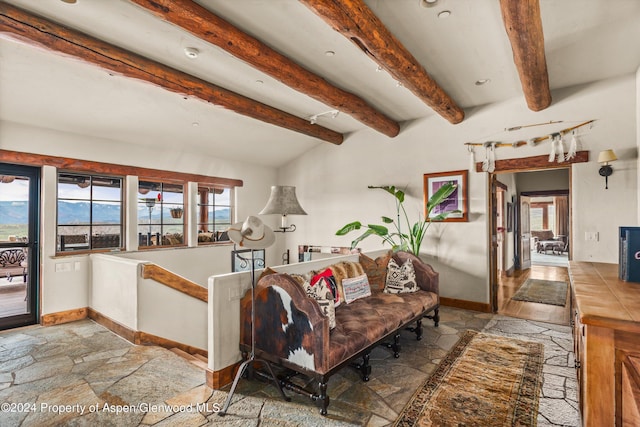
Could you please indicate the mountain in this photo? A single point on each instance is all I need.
(78, 213)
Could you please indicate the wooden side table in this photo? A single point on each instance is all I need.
(606, 333)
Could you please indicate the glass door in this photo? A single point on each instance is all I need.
(19, 250)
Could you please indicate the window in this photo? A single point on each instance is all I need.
(160, 214)
(215, 210)
(536, 218)
(89, 212)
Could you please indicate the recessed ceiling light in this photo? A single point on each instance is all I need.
(70, 1)
(482, 82)
(191, 52)
(329, 53)
(444, 14)
(195, 124)
(259, 82)
(428, 3)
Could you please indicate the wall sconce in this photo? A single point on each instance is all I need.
(605, 157)
(283, 201)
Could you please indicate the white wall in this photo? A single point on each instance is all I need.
(66, 290)
(332, 180)
(555, 179)
(114, 289)
(119, 292)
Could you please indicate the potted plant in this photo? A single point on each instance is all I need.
(176, 212)
(405, 237)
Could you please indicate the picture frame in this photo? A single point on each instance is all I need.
(241, 259)
(509, 217)
(458, 200)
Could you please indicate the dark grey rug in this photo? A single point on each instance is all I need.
(542, 291)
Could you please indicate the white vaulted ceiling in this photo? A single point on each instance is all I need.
(585, 40)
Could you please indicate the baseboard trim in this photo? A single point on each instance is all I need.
(219, 379)
(134, 337)
(467, 305)
(66, 316)
(115, 327)
(511, 271)
(144, 338)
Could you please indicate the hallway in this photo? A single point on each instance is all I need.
(508, 286)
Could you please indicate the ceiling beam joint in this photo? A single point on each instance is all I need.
(355, 21)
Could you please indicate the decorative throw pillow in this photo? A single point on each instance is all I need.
(356, 288)
(353, 269)
(376, 270)
(331, 284)
(322, 294)
(400, 278)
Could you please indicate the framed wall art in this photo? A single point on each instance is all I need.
(457, 201)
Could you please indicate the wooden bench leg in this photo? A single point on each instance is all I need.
(396, 345)
(364, 367)
(324, 397)
(435, 316)
(418, 329)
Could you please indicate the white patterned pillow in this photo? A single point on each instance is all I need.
(321, 292)
(400, 278)
(356, 288)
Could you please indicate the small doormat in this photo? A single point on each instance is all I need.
(542, 291)
(485, 380)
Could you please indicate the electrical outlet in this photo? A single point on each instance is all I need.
(63, 267)
(591, 236)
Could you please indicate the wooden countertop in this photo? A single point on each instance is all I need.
(604, 300)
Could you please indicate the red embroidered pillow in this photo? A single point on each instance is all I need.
(330, 280)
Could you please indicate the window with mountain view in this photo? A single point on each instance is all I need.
(89, 212)
(160, 214)
(215, 210)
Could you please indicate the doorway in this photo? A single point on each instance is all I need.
(526, 205)
(19, 250)
(549, 227)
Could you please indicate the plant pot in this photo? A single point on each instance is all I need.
(176, 213)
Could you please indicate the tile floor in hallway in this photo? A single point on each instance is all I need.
(49, 376)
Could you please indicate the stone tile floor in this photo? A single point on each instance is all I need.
(81, 374)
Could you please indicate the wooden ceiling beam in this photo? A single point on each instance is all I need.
(35, 30)
(523, 24)
(204, 24)
(354, 20)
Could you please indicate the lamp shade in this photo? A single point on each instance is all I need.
(283, 201)
(607, 156)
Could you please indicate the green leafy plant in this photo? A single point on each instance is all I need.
(402, 236)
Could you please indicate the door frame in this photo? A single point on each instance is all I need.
(33, 264)
(524, 164)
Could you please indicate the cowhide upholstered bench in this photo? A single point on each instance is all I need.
(291, 330)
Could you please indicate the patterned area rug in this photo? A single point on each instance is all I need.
(485, 380)
(542, 291)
